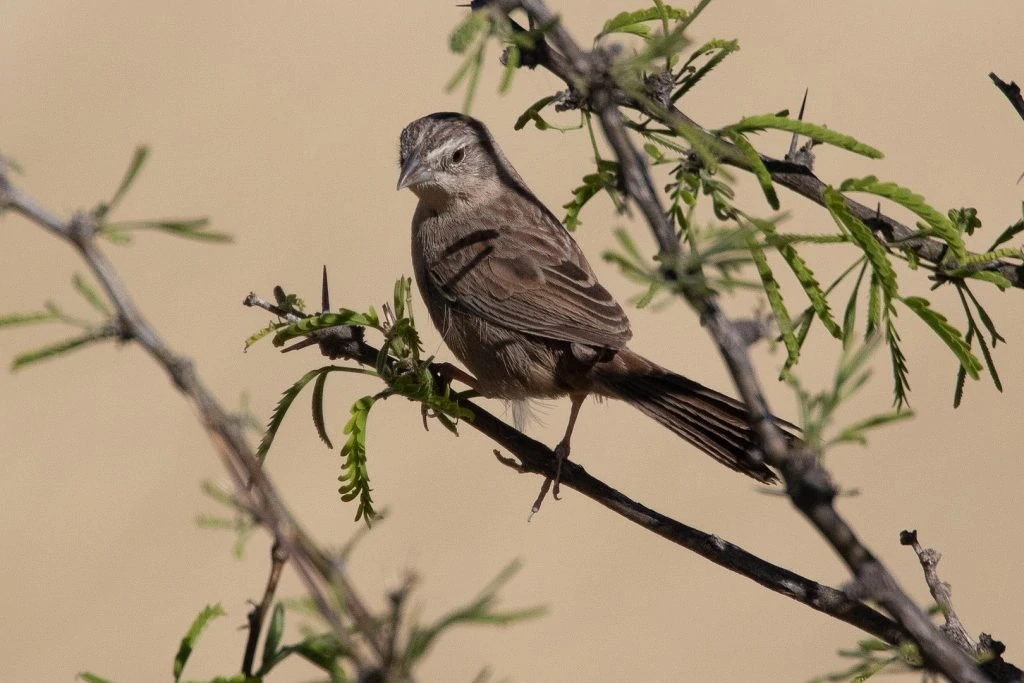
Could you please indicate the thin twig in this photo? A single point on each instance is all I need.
(536, 458)
(929, 559)
(258, 613)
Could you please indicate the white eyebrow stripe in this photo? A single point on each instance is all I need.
(449, 145)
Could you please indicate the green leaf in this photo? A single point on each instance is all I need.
(479, 611)
(60, 348)
(533, 114)
(865, 239)
(855, 433)
(764, 178)
(850, 314)
(512, 58)
(805, 276)
(809, 130)
(288, 397)
(134, 166)
(190, 228)
(321, 650)
(90, 295)
(604, 179)
(774, 294)
(636, 22)
(990, 276)
(973, 331)
(468, 35)
(965, 219)
(275, 630)
(1008, 234)
(718, 49)
(465, 33)
(318, 409)
(900, 371)
(946, 332)
(260, 334)
(939, 224)
(189, 641)
(92, 678)
(322, 321)
(15, 319)
(354, 476)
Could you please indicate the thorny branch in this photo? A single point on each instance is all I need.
(808, 484)
(536, 458)
(323, 577)
(587, 72)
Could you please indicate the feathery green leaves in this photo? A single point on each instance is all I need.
(937, 224)
(813, 131)
(637, 23)
(950, 336)
(354, 478)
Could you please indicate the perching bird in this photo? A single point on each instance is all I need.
(516, 301)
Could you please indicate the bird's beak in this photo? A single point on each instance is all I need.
(414, 172)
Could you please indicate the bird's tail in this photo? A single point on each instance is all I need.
(713, 422)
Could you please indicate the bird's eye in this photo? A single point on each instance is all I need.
(458, 155)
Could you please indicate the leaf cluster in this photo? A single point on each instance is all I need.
(742, 248)
(336, 657)
(399, 364)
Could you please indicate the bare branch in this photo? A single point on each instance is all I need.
(254, 491)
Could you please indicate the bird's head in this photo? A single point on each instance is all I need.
(449, 157)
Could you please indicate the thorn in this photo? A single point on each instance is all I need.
(325, 295)
(800, 117)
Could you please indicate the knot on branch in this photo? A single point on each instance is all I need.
(659, 87)
(569, 99)
(82, 228)
(807, 482)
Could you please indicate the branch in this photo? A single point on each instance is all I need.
(929, 559)
(536, 458)
(1012, 92)
(587, 72)
(808, 484)
(255, 493)
(258, 614)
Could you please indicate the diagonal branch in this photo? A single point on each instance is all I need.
(587, 72)
(536, 458)
(255, 493)
(808, 484)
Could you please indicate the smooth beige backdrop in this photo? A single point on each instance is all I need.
(279, 120)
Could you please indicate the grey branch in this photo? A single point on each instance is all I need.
(255, 493)
(536, 458)
(808, 484)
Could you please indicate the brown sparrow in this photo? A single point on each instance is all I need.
(516, 301)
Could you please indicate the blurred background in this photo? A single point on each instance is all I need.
(280, 121)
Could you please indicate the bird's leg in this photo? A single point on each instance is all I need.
(562, 449)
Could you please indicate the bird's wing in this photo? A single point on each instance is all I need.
(525, 273)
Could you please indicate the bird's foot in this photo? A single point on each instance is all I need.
(552, 483)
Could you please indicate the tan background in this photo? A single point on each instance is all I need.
(280, 122)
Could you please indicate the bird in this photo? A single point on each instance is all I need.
(514, 298)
